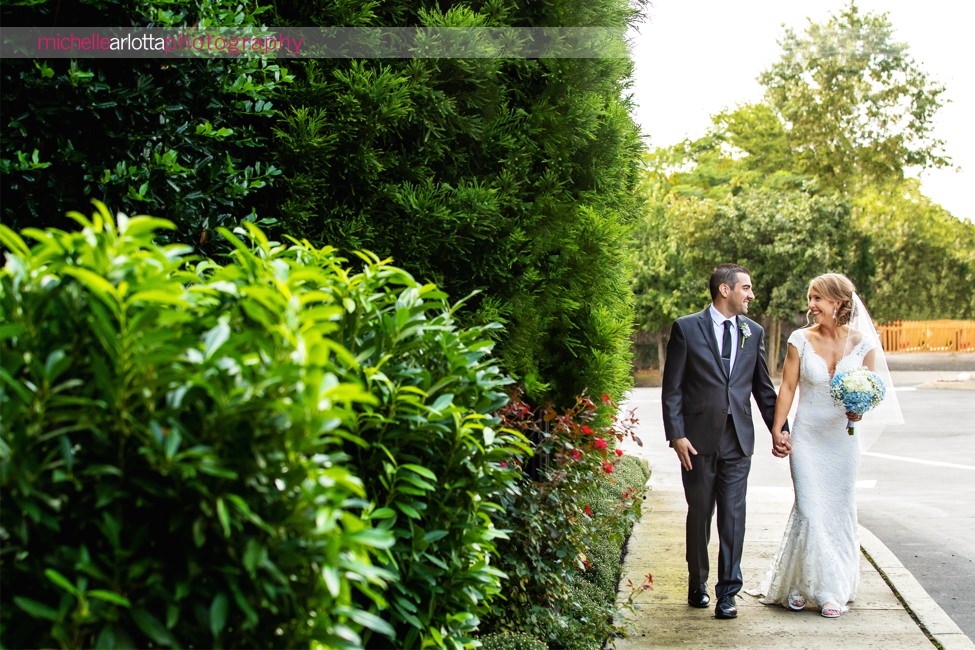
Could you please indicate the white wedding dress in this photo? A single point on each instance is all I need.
(819, 558)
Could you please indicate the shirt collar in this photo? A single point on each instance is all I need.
(718, 318)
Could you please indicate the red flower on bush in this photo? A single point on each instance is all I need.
(577, 454)
(586, 430)
(588, 510)
(608, 467)
(600, 444)
(504, 464)
(606, 399)
(619, 452)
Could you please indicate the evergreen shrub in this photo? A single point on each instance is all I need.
(511, 641)
(273, 452)
(515, 178)
(605, 550)
(188, 137)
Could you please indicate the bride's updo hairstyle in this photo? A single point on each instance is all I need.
(837, 288)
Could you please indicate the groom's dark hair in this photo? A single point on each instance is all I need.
(725, 274)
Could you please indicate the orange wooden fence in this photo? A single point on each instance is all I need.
(928, 336)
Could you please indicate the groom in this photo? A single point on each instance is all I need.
(715, 363)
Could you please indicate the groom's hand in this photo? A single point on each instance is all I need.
(684, 450)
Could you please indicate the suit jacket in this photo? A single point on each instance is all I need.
(697, 395)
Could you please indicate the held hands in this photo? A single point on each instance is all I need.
(781, 444)
(684, 450)
(781, 447)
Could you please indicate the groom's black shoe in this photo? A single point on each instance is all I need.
(726, 607)
(698, 597)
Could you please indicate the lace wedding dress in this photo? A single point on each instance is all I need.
(819, 558)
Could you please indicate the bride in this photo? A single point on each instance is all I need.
(819, 558)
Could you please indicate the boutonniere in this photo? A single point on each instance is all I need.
(746, 331)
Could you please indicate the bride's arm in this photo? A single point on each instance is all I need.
(787, 391)
(870, 361)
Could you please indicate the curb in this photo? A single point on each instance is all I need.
(947, 384)
(922, 608)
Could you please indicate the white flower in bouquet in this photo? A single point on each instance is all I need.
(857, 391)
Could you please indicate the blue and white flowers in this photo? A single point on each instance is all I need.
(857, 391)
(746, 331)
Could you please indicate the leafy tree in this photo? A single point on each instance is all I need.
(856, 105)
(923, 257)
(707, 207)
(757, 131)
(812, 180)
(666, 284)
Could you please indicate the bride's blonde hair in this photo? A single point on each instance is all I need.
(835, 287)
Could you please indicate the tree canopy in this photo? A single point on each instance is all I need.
(812, 179)
(855, 103)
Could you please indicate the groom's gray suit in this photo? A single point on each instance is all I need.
(713, 411)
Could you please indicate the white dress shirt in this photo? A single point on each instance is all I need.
(717, 321)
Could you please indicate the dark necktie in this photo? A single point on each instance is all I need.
(726, 348)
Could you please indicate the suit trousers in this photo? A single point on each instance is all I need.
(717, 480)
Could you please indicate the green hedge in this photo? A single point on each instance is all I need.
(185, 138)
(271, 452)
(512, 177)
(511, 641)
(515, 178)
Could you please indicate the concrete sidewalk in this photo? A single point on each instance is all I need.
(662, 618)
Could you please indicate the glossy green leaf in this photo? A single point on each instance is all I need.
(373, 622)
(419, 469)
(383, 513)
(434, 535)
(152, 628)
(408, 510)
(374, 537)
(215, 338)
(98, 285)
(330, 575)
(222, 516)
(218, 614)
(442, 402)
(61, 582)
(109, 596)
(36, 609)
(253, 554)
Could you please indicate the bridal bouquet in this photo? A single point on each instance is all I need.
(858, 391)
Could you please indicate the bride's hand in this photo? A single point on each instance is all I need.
(853, 417)
(781, 444)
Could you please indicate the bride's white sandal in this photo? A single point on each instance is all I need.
(831, 611)
(796, 602)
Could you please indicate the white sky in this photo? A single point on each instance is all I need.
(694, 58)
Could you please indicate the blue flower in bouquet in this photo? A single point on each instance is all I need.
(857, 391)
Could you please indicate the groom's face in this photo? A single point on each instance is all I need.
(741, 295)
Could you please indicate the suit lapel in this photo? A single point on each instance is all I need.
(743, 346)
(707, 329)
